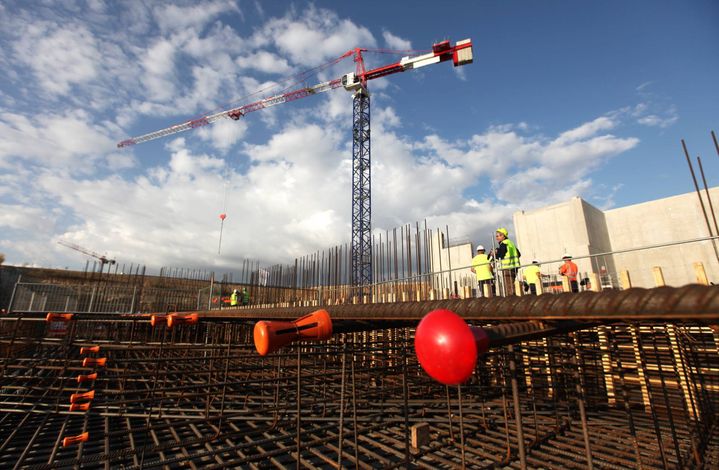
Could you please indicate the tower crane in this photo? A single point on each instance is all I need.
(102, 258)
(355, 82)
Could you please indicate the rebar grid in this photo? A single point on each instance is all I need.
(639, 395)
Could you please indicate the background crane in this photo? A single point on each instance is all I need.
(356, 82)
(102, 258)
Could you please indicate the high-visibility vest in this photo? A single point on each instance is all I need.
(482, 267)
(532, 274)
(511, 257)
(570, 270)
(233, 298)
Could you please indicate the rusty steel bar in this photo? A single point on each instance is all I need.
(699, 195)
(692, 302)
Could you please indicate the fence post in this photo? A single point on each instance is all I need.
(209, 297)
(12, 296)
(672, 336)
(658, 276)
(594, 282)
(701, 274)
(626, 283)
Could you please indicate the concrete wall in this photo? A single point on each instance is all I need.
(663, 221)
(551, 232)
(580, 229)
(599, 240)
(458, 257)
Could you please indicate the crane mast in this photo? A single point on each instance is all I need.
(355, 82)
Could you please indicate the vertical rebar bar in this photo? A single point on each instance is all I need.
(709, 199)
(701, 201)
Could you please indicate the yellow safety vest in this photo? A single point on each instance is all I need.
(482, 267)
(511, 258)
(531, 274)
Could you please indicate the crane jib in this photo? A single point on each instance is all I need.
(460, 54)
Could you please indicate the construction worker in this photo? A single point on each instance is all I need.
(234, 298)
(482, 267)
(533, 277)
(245, 296)
(508, 254)
(570, 269)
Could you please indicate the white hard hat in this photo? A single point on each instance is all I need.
(480, 247)
(567, 256)
(534, 261)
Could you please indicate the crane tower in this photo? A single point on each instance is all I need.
(355, 82)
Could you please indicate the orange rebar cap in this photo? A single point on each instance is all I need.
(86, 378)
(94, 361)
(80, 406)
(272, 335)
(158, 320)
(75, 397)
(89, 349)
(177, 319)
(68, 441)
(58, 316)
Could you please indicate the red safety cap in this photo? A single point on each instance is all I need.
(446, 346)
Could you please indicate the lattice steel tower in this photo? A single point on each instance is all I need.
(361, 190)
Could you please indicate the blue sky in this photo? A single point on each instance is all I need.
(563, 99)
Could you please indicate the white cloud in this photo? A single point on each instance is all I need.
(395, 42)
(314, 37)
(52, 140)
(224, 133)
(653, 120)
(585, 130)
(60, 56)
(655, 109)
(120, 161)
(158, 64)
(264, 61)
(174, 18)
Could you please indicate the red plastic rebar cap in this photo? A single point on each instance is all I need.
(446, 347)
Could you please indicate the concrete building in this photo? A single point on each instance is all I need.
(617, 239)
(450, 261)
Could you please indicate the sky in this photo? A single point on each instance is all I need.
(563, 99)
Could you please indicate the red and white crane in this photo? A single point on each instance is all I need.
(102, 258)
(355, 82)
(460, 54)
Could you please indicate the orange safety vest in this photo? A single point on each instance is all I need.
(570, 270)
